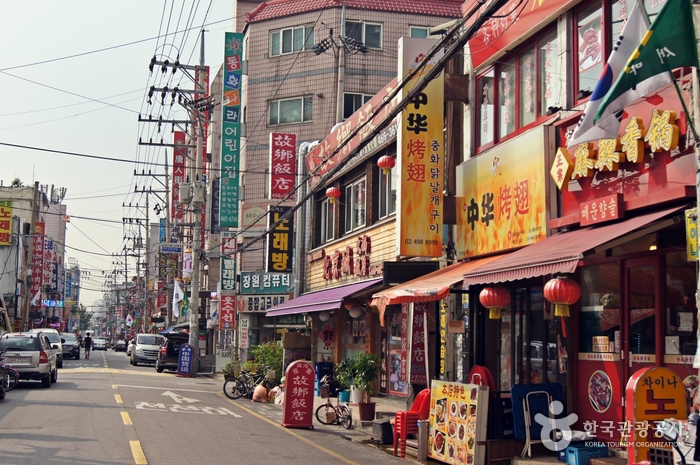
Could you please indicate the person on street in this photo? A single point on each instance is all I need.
(88, 345)
(276, 395)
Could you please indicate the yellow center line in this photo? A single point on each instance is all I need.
(126, 418)
(114, 386)
(289, 431)
(137, 452)
(118, 398)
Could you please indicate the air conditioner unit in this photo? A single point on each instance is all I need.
(185, 192)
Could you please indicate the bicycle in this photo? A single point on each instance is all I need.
(329, 414)
(12, 377)
(244, 384)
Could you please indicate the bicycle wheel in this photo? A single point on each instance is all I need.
(321, 414)
(234, 388)
(345, 416)
(12, 379)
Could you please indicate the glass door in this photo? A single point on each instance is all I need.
(642, 308)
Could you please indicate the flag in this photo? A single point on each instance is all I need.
(177, 296)
(185, 306)
(669, 44)
(35, 300)
(631, 36)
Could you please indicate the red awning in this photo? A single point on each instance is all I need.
(431, 287)
(560, 253)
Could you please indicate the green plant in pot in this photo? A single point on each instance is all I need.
(366, 370)
(345, 373)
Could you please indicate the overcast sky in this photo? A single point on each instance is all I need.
(74, 78)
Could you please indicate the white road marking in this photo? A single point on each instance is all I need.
(178, 398)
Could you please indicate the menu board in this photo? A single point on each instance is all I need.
(458, 422)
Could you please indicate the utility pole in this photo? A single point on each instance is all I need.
(341, 71)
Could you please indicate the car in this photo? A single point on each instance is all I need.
(32, 355)
(71, 346)
(99, 343)
(170, 351)
(145, 349)
(56, 342)
(120, 345)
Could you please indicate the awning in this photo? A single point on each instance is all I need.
(328, 299)
(560, 253)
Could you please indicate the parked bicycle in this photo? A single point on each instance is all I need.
(244, 384)
(329, 414)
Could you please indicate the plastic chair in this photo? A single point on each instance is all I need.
(406, 422)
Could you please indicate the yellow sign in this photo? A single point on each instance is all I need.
(421, 157)
(691, 233)
(501, 197)
(5, 222)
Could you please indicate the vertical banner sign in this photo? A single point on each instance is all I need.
(244, 333)
(418, 369)
(421, 151)
(283, 166)
(162, 230)
(298, 407)
(231, 131)
(178, 210)
(443, 339)
(228, 263)
(202, 96)
(279, 242)
(228, 312)
(5, 222)
(162, 299)
(691, 234)
(37, 261)
(214, 214)
(50, 269)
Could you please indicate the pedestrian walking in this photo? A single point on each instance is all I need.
(88, 345)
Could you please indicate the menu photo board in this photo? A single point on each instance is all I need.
(458, 422)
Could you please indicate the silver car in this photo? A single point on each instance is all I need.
(146, 348)
(31, 355)
(99, 344)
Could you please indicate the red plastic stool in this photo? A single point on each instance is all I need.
(405, 423)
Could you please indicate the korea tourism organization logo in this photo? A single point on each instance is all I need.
(561, 425)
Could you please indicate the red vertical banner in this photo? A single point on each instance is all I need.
(418, 369)
(179, 175)
(283, 166)
(37, 263)
(298, 407)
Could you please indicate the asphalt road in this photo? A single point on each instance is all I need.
(104, 411)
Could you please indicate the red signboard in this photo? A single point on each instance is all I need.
(418, 359)
(228, 312)
(298, 407)
(600, 210)
(38, 263)
(283, 166)
(179, 174)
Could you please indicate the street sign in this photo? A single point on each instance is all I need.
(166, 247)
(185, 360)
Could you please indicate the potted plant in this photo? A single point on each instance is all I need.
(366, 371)
(345, 375)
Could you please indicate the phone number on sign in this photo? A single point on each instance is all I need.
(420, 242)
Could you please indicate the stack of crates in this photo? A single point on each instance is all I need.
(580, 453)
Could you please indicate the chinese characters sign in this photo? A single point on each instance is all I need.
(501, 197)
(298, 407)
(179, 175)
(37, 261)
(418, 347)
(279, 241)
(421, 150)
(283, 166)
(184, 360)
(5, 222)
(258, 282)
(231, 131)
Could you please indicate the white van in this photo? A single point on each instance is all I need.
(145, 349)
(56, 342)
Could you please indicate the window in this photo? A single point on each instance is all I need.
(353, 102)
(355, 205)
(327, 220)
(294, 110)
(528, 84)
(387, 192)
(419, 31)
(290, 40)
(369, 34)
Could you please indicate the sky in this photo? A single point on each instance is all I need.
(75, 78)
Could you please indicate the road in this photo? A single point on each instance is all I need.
(105, 411)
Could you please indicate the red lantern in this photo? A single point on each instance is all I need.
(562, 292)
(386, 163)
(494, 298)
(333, 193)
(351, 303)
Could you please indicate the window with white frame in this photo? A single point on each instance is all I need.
(353, 102)
(293, 110)
(327, 220)
(388, 183)
(291, 40)
(369, 34)
(355, 204)
(420, 32)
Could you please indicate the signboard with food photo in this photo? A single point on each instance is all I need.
(458, 421)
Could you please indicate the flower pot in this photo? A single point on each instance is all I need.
(366, 410)
(357, 395)
(344, 396)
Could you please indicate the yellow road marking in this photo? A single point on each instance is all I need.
(137, 452)
(293, 433)
(118, 398)
(126, 418)
(114, 386)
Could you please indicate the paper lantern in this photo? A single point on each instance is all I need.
(325, 315)
(351, 303)
(386, 163)
(562, 292)
(333, 193)
(495, 298)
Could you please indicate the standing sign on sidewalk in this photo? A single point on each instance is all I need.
(184, 360)
(298, 407)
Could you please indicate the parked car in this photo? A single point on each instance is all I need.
(32, 355)
(146, 347)
(71, 346)
(170, 351)
(56, 342)
(99, 343)
(120, 345)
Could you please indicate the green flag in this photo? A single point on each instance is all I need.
(668, 44)
(185, 306)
